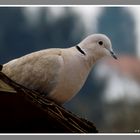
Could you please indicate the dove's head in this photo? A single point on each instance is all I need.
(97, 46)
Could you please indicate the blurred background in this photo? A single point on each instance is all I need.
(111, 95)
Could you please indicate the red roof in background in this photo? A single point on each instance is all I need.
(128, 65)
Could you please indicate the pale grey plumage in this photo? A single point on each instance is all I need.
(59, 73)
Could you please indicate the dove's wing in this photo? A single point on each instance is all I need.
(38, 71)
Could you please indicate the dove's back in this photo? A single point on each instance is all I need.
(38, 71)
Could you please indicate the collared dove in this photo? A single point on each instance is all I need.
(59, 73)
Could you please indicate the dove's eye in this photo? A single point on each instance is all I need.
(100, 43)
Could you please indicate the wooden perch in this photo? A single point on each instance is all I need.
(25, 111)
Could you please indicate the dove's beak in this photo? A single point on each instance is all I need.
(113, 55)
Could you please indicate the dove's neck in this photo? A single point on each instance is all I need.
(87, 55)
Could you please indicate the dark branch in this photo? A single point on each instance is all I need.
(24, 110)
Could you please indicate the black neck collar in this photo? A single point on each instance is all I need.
(80, 50)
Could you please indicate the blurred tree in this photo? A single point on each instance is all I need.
(118, 24)
(18, 38)
(11, 33)
(62, 32)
